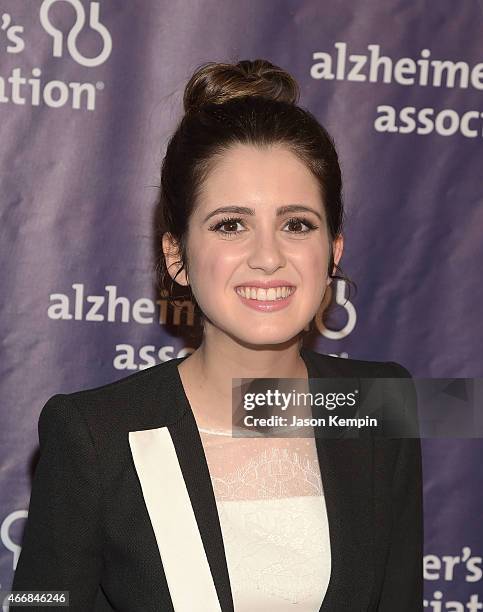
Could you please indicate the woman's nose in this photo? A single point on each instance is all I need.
(266, 252)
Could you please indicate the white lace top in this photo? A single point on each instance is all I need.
(273, 519)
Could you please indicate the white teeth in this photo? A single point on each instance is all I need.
(265, 295)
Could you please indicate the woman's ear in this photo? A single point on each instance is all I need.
(172, 257)
(337, 249)
(338, 246)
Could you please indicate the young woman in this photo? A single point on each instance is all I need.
(142, 500)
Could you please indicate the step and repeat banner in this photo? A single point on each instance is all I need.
(89, 95)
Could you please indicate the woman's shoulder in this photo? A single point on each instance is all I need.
(141, 380)
(330, 365)
(397, 399)
(147, 398)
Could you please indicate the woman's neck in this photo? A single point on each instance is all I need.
(207, 375)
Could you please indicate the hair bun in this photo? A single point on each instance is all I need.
(216, 83)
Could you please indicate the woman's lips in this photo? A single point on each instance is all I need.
(267, 305)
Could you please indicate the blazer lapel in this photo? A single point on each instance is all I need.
(346, 471)
(176, 486)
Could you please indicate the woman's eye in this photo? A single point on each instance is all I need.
(227, 227)
(230, 226)
(298, 222)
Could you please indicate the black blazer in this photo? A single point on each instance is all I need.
(123, 515)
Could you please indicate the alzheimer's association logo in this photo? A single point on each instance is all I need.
(60, 42)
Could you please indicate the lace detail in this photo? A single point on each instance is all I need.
(273, 518)
(274, 473)
(262, 468)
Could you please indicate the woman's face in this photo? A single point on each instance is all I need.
(258, 241)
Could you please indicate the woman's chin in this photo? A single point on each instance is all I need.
(258, 336)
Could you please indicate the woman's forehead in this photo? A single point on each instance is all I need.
(262, 178)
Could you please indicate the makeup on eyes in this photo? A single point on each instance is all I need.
(216, 227)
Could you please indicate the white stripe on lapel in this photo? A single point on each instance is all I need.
(179, 540)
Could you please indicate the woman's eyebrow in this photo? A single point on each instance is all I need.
(244, 210)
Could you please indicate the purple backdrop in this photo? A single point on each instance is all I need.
(89, 95)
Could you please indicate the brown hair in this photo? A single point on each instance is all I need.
(250, 102)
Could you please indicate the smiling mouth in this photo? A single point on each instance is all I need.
(272, 294)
